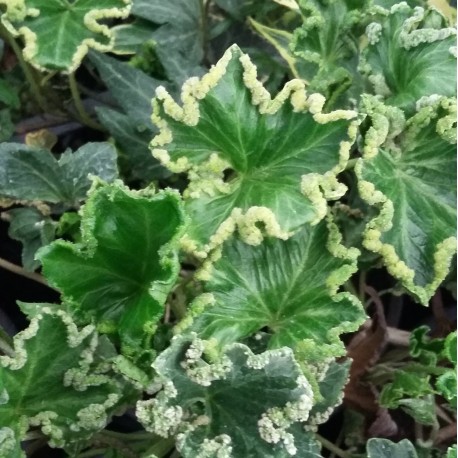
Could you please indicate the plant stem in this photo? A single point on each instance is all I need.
(142, 435)
(21, 271)
(28, 72)
(82, 113)
(92, 452)
(161, 448)
(330, 446)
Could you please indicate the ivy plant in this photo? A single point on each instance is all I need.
(231, 216)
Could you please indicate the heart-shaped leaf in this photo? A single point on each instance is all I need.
(125, 265)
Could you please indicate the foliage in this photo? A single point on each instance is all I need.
(227, 205)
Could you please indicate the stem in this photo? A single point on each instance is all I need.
(6, 343)
(92, 452)
(21, 271)
(82, 113)
(142, 435)
(333, 448)
(28, 73)
(161, 448)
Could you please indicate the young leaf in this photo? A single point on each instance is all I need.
(290, 287)
(420, 37)
(412, 180)
(51, 382)
(206, 404)
(35, 174)
(383, 448)
(58, 33)
(229, 123)
(126, 264)
(33, 230)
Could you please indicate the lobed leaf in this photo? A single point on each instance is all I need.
(420, 37)
(289, 287)
(73, 398)
(409, 174)
(205, 404)
(28, 173)
(121, 272)
(58, 33)
(281, 156)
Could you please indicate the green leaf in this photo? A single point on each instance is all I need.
(134, 144)
(28, 173)
(58, 33)
(452, 451)
(53, 382)
(331, 389)
(327, 44)
(383, 448)
(132, 89)
(422, 410)
(290, 287)
(268, 149)
(421, 38)
(206, 403)
(446, 384)
(126, 264)
(8, 94)
(408, 172)
(181, 24)
(450, 351)
(33, 230)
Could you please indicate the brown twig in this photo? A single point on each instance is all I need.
(446, 434)
(21, 271)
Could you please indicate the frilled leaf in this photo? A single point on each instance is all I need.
(383, 448)
(33, 230)
(420, 37)
(58, 33)
(125, 265)
(238, 405)
(53, 382)
(28, 173)
(327, 44)
(290, 287)
(409, 172)
(280, 156)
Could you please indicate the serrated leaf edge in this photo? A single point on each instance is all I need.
(17, 10)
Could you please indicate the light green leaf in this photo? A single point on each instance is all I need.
(28, 173)
(58, 33)
(33, 230)
(383, 448)
(269, 150)
(206, 403)
(421, 38)
(422, 410)
(126, 264)
(409, 173)
(450, 351)
(452, 451)
(290, 287)
(446, 384)
(73, 398)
